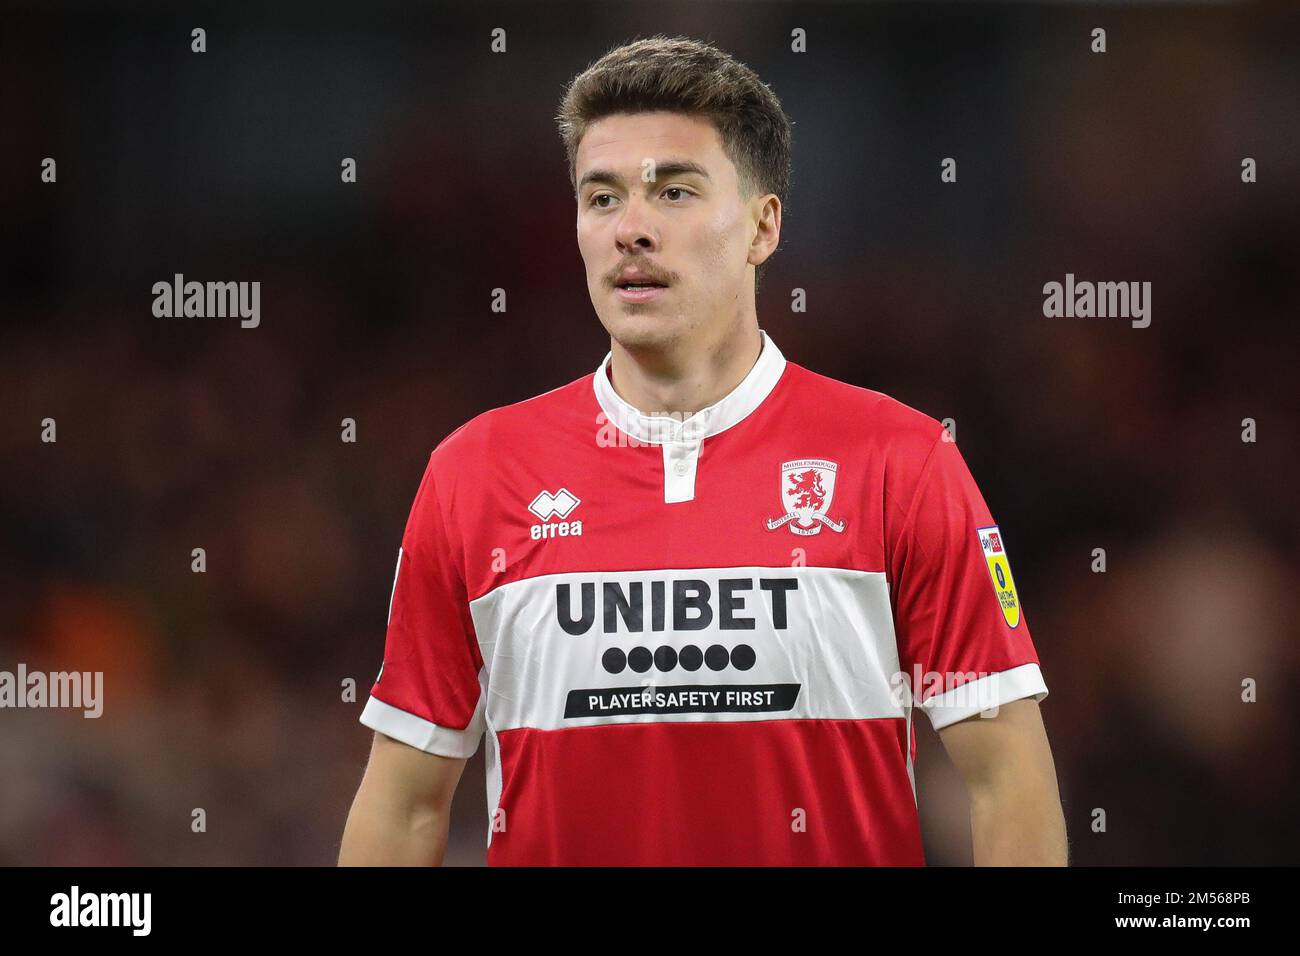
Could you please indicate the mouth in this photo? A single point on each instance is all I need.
(640, 292)
(639, 289)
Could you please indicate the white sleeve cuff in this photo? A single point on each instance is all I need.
(423, 734)
(985, 693)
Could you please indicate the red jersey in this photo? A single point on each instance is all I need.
(699, 640)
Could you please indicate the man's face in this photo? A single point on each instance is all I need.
(688, 228)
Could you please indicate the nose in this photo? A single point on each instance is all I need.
(635, 229)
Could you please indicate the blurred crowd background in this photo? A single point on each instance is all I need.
(224, 689)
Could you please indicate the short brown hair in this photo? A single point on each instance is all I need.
(686, 76)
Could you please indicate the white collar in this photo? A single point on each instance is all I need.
(718, 417)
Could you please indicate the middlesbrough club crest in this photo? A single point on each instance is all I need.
(807, 486)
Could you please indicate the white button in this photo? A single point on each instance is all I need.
(681, 468)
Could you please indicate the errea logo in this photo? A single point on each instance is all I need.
(547, 506)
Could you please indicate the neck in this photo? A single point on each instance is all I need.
(683, 380)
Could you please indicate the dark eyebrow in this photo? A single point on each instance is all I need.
(667, 170)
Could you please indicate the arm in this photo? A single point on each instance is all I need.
(402, 808)
(1015, 808)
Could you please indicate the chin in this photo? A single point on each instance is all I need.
(637, 330)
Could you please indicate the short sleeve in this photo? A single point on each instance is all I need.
(428, 693)
(962, 635)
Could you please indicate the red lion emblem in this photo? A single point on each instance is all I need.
(806, 496)
(807, 488)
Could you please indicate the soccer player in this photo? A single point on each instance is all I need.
(692, 601)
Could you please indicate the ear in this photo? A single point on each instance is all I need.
(766, 211)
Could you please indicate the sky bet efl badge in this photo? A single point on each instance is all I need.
(995, 553)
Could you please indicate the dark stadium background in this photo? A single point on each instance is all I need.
(223, 689)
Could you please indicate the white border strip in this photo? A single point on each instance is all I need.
(393, 593)
(418, 732)
(986, 692)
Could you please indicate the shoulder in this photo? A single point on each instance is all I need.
(506, 428)
(893, 428)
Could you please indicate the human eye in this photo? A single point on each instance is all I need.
(595, 197)
(677, 189)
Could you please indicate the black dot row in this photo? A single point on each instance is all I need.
(665, 658)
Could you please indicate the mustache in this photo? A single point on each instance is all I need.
(654, 274)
